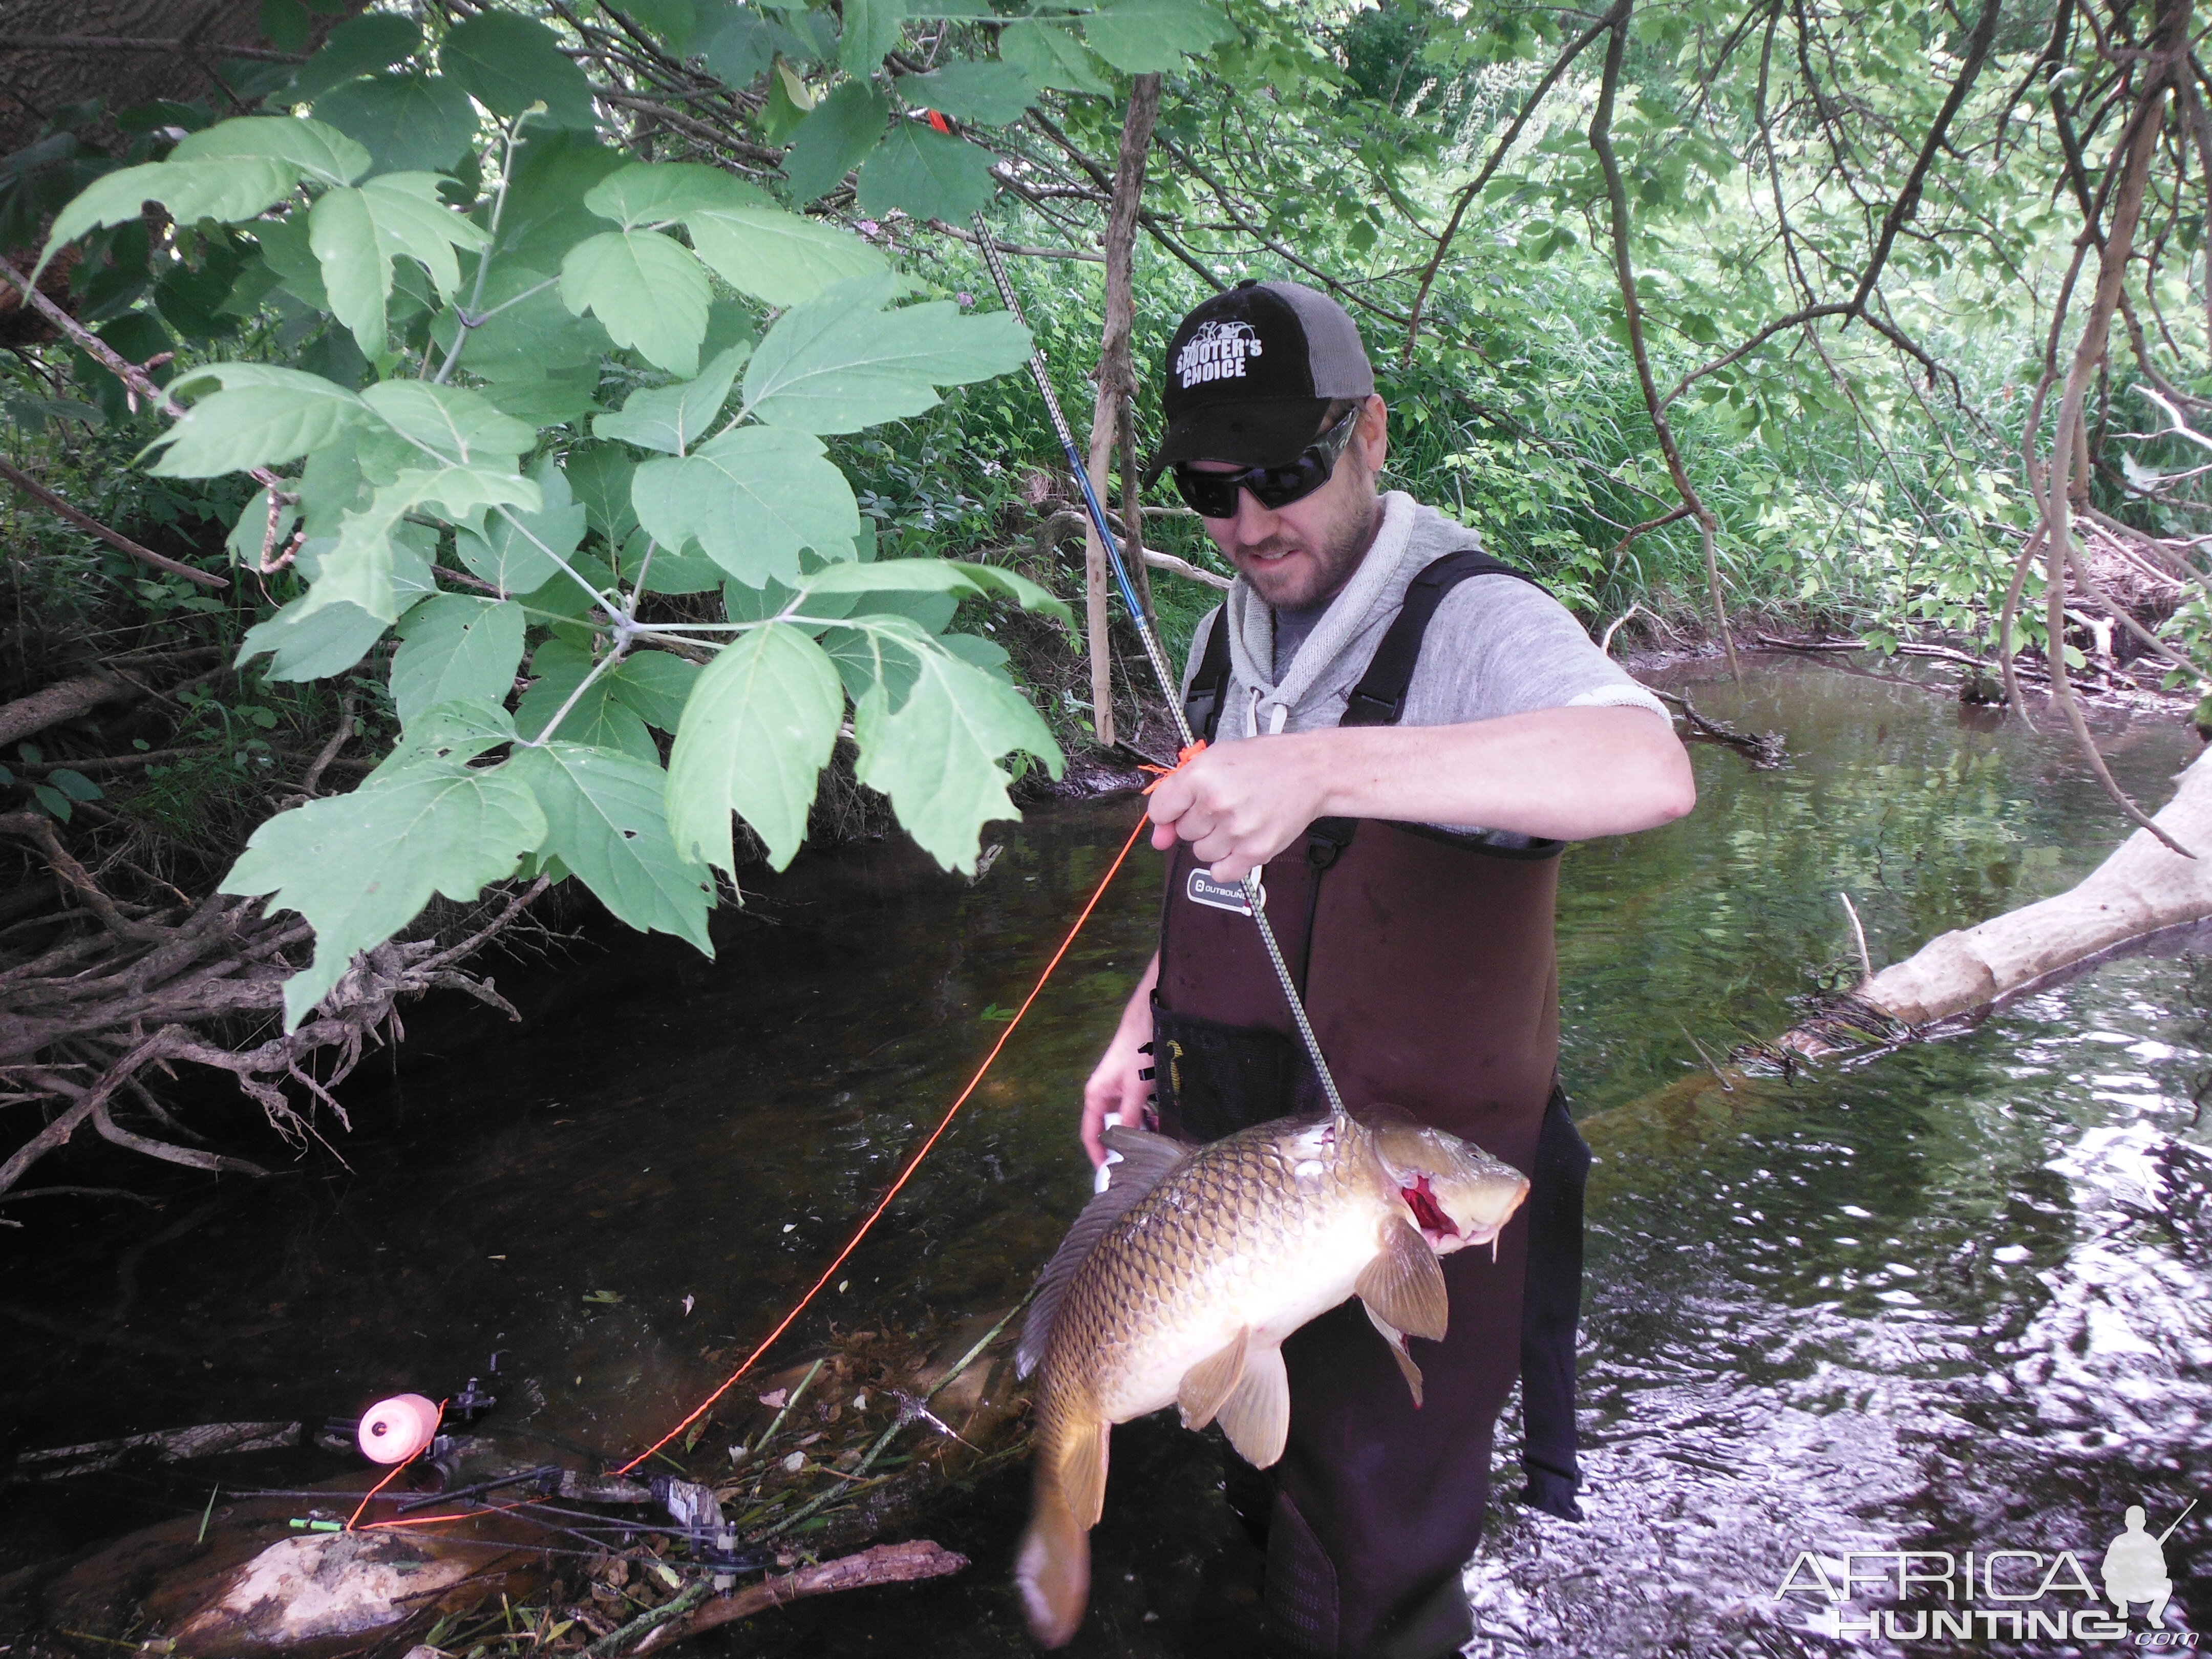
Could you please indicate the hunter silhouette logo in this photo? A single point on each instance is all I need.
(2135, 1566)
(1217, 351)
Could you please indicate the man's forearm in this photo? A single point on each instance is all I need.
(1560, 774)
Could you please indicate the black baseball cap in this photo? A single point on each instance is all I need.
(1250, 373)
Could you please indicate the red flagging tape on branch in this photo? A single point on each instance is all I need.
(912, 1164)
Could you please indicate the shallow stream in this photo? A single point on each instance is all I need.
(1957, 1297)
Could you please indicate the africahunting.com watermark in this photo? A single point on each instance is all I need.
(2014, 1595)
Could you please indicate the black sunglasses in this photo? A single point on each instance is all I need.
(1214, 494)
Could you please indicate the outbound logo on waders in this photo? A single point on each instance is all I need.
(1202, 889)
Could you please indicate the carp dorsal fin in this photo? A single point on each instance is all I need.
(1396, 1339)
(1256, 1416)
(1403, 1286)
(1208, 1383)
(1083, 1473)
(1146, 1159)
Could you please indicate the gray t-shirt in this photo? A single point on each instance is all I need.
(1496, 645)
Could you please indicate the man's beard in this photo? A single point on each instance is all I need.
(1311, 582)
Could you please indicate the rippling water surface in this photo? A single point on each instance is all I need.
(1957, 1297)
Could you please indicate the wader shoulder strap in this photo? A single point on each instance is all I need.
(1379, 699)
(1202, 707)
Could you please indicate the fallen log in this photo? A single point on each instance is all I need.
(2141, 889)
(886, 1564)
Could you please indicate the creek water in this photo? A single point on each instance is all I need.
(1955, 1298)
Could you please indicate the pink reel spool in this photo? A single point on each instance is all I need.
(392, 1430)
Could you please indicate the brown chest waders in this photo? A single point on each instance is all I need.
(1427, 964)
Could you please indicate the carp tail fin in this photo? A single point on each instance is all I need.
(1053, 1570)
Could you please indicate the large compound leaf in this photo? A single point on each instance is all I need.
(355, 234)
(670, 419)
(1051, 55)
(361, 867)
(314, 151)
(936, 755)
(516, 550)
(871, 29)
(262, 417)
(836, 135)
(362, 46)
(649, 195)
(407, 123)
(655, 684)
(359, 569)
(994, 94)
(454, 731)
(454, 647)
(757, 733)
(455, 424)
(303, 645)
(1146, 37)
(925, 172)
(508, 63)
(607, 819)
(752, 499)
(647, 290)
(778, 257)
(840, 363)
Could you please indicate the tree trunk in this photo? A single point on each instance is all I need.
(1117, 382)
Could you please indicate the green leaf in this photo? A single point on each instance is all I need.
(311, 150)
(672, 572)
(752, 499)
(53, 800)
(831, 141)
(453, 731)
(605, 819)
(598, 717)
(508, 63)
(778, 257)
(656, 684)
(359, 569)
(600, 477)
(1051, 55)
(1146, 37)
(741, 44)
(355, 234)
(673, 21)
(500, 548)
(936, 755)
(994, 94)
(871, 29)
(74, 784)
(528, 334)
(927, 173)
(647, 290)
(840, 363)
(311, 645)
(647, 195)
(362, 46)
(262, 417)
(361, 867)
(670, 419)
(407, 123)
(455, 647)
(457, 424)
(757, 732)
(932, 576)
(228, 191)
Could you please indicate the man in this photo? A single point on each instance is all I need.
(1432, 727)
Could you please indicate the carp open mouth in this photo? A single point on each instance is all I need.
(1436, 1227)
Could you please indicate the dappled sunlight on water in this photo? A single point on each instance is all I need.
(1954, 1298)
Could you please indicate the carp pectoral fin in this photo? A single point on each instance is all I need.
(1208, 1383)
(1256, 1416)
(1403, 1286)
(1083, 1475)
(1396, 1339)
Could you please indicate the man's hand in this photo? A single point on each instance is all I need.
(1115, 1085)
(1240, 804)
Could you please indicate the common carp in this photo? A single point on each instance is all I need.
(1179, 1282)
